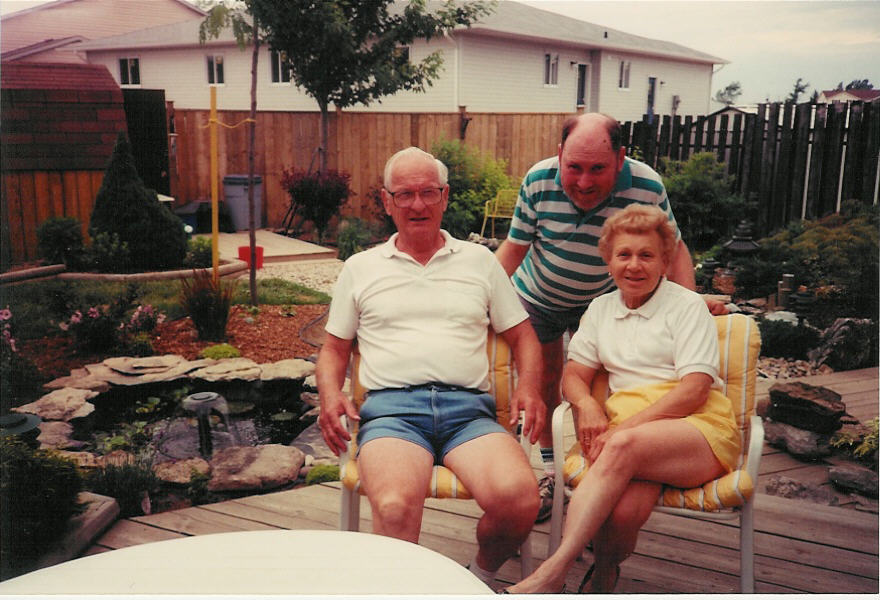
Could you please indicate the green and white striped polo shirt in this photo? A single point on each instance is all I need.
(563, 269)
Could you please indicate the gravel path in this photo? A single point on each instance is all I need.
(316, 274)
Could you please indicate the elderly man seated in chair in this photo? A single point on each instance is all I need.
(419, 307)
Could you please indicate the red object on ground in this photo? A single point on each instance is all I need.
(244, 253)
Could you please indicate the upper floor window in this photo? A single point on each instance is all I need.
(215, 70)
(551, 69)
(623, 78)
(280, 70)
(129, 71)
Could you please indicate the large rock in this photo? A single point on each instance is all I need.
(806, 406)
(291, 368)
(846, 345)
(65, 405)
(800, 443)
(254, 467)
(181, 471)
(785, 487)
(57, 435)
(854, 478)
(312, 443)
(229, 370)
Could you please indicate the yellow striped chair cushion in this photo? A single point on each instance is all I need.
(444, 483)
(740, 343)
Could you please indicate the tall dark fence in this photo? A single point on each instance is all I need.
(795, 161)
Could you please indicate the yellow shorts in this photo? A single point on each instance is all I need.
(714, 419)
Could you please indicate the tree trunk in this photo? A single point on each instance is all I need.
(251, 151)
(325, 134)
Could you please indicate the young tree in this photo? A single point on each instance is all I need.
(231, 15)
(344, 53)
(729, 94)
(799, 88)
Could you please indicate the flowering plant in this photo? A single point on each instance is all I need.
(8, 342)
(102, 328)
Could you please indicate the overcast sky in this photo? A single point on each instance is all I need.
(769, 44)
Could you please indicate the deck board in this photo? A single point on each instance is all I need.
(800, 547)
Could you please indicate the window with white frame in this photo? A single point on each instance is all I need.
(280, 70)
(623, 78)
(129, 71)
(551, 69)
(215, 70)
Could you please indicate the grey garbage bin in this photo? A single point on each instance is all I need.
(235, 190)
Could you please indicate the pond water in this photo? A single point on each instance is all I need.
(190, 421)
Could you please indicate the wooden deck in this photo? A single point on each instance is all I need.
(800, 547)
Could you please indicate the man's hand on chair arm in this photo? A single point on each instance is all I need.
(330, 376)
(527, 395)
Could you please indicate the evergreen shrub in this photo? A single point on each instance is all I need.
(787, 340)
(154, 235)
(837, 257)
(60, 240)
(706, 210)
(38, 493)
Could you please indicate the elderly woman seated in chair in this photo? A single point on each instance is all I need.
(664, 422)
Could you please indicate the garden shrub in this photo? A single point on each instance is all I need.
(38, 493)
(317, 197)
(860, 443)
(321, 473)
(130, 483)
(155, 236)
(219, 351)
(199, 254)
(787, 340)
(60, 240)
(700, 192)
(207, 302)
(106, 254)
(474, 179)
(836, 257)
(353, 236)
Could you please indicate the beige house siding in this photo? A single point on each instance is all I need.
(691, 82)
(499, 76)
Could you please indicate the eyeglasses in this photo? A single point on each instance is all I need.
(406, 198)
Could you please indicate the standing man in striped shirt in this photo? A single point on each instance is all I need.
(551, 249)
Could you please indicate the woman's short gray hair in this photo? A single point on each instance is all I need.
(638, 219)
(442, 171)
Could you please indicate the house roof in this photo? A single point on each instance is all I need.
(522, 21)
(861, 94)
(89, 19)
(61, 76)
(58, 117)
(510, 20)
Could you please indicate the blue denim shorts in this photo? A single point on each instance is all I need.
(550, 325)
(437, 417)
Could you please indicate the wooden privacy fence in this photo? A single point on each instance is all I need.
(794, 161)
(359, 144)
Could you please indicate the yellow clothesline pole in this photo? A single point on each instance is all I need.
(215, 219)
(215, 178)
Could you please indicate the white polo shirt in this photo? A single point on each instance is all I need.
(668, 337)
(416, 323)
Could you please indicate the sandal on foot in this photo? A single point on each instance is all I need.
(589, 574)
